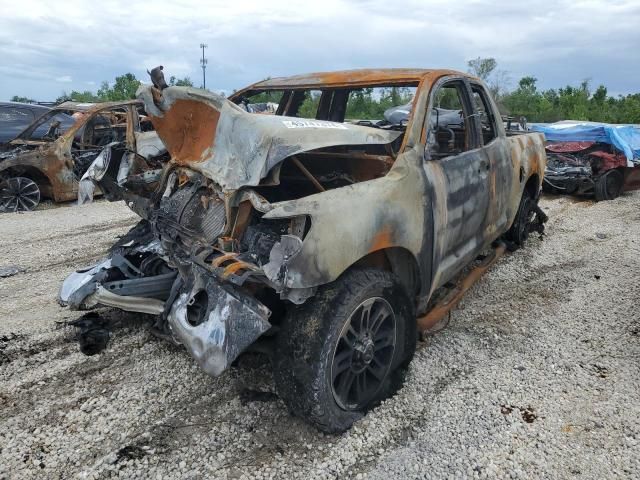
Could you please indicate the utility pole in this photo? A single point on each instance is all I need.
(203, 62)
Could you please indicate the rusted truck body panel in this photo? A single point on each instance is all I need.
(259, 211)
(56, 164)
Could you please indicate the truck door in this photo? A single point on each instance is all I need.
(495, 148)
(458, 172)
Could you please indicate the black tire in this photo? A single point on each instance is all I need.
(321, 346)
(19, 194)
(609, 185)
(518, 234)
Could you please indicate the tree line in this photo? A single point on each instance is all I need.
(570, 102)
(123, 88)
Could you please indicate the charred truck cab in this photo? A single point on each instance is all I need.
(313, 230)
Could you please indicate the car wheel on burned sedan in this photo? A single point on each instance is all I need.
(18, 194)
(609, 185)
(344, 350)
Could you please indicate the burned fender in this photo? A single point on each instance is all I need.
(344, 227)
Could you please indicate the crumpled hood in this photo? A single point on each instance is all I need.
(215, 137)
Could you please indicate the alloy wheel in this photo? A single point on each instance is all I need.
(19, 194)
(364, 353)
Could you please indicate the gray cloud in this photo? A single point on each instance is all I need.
(44, 45)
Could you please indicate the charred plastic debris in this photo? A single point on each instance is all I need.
(590, 159)
(34, 166)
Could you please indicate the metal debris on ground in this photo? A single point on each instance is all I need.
(10, 270)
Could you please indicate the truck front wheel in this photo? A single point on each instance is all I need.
(344, 350)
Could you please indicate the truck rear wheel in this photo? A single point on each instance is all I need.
(609, 185)
(344, 350)
(18, 194)
(518, 234)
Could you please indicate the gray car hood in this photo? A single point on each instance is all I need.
(234, 148)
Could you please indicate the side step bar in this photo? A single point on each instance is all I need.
(433, 321)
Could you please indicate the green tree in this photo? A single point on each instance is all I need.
(180, 82)
(17, 98)
(486, 69)
(309, 105)
(370, 104)
(482, 67)
(124, 88)
(269, 96)
(571, 103)
(75, 96)
(628, 109)
(525, 100)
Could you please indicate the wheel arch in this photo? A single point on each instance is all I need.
(532, 186)
(397, 260)
(32, 173)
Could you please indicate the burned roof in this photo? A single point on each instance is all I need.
(368, 77)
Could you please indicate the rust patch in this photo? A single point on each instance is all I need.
(235, 267)
(187, 129)
(381, 240)
(223, 258)
(366, 76)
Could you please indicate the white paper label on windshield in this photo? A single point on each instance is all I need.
(312, 124)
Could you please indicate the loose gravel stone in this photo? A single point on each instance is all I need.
(535, 376)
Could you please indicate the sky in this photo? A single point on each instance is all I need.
(47, 47)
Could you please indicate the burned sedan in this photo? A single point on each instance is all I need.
(48, 159)
(314, 234)
(591, 159)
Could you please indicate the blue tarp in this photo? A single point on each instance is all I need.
(625, 138)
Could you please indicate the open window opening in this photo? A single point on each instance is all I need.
(48, 127)
(101, 129)
(484, 113)
(448, 132)
(265, 102)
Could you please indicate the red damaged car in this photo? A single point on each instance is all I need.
(591, 159)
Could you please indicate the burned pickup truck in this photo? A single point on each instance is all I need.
(591, 159)
(48, 159)
(317, 239)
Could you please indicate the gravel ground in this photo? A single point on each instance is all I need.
(536, 375)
